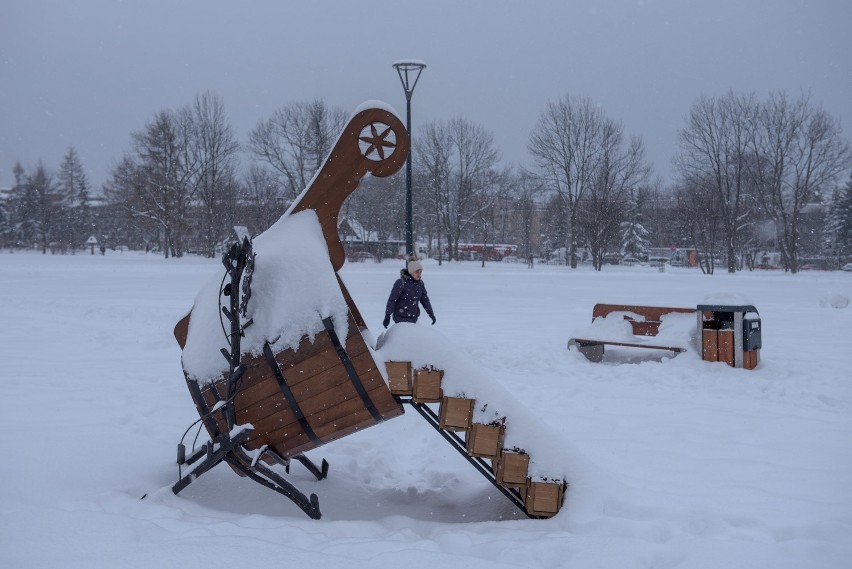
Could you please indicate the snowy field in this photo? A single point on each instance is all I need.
(702, 465)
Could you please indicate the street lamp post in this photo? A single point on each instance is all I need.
(409, 72)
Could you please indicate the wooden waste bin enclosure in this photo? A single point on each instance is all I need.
(306, 398)
(730, 334)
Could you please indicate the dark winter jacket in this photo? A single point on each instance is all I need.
(405, 297)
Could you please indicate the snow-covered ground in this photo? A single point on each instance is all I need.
(701, 465)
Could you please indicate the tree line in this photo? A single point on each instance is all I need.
(747, 172)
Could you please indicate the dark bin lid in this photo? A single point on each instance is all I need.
(727, 308)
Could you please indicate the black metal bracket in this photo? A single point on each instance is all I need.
(230, 449)
(457, 443)
(239, 263)
(214, 453)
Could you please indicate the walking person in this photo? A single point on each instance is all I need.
(407, 294)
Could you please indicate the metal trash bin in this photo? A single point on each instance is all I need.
(751, 332)
(730, 333)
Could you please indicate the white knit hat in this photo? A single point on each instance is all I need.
(414, 266)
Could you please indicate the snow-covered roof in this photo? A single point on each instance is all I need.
(359, 230)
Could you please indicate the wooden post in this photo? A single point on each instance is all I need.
(726, 346)
(710, 341)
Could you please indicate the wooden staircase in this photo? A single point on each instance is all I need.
(481, 444)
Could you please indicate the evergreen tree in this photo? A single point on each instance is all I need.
(76, 211)
(840, 223)
(22, 206)
(634, 237)
(47, 207)
(6, 233)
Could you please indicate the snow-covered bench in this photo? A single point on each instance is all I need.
(654, 327)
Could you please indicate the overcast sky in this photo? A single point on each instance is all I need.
(88, 73)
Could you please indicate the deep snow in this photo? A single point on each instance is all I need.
(699, 464)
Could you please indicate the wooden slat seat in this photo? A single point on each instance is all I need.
(644, 322)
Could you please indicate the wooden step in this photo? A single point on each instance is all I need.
(456, 413)
(399, 377)
(544, 498)
(485, 441)
(513, 469)
(427, 386)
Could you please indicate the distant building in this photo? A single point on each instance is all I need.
(359, 242)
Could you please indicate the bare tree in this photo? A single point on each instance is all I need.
(213, 148)
(158, 183)
(715, 149)
(264, 201)
(527, 189)
(377, 208)
(798, 153)
(698, 213)
(472, 160)
(495, 192)
(295, 141)
(565, 146)
(616, 172)
(433, 149)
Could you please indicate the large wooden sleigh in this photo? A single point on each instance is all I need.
(271, 408)
(274, 401)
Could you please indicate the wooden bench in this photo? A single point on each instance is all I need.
(644, 320)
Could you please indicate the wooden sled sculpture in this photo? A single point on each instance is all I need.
(291, 379)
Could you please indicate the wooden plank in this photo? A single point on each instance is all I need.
(357, 417)
(750, 359)
(181, 331)
(648, 328)
(286, 441)
(324, 408)
(297, 370)
(485, 441)
(248, 396)
(726, 346)
(710, 345)
(649, 312)
(589, 342)
(427, 386)
(354, 313)
(513, 469)
(385, 403)
(544, 498)
(319, 420)
(400, 377)
(456, 413)
(320, 385)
